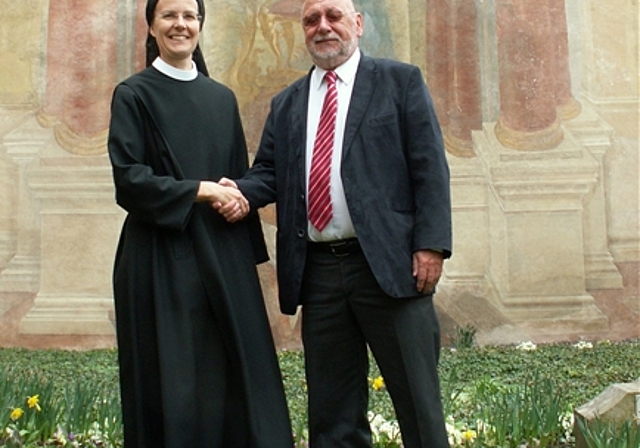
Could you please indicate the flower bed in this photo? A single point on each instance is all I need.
(516, 396)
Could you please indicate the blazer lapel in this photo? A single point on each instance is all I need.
(298, 127)
(363, 88)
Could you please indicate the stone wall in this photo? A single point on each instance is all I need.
(539, 106)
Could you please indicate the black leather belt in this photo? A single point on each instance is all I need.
(339, 248)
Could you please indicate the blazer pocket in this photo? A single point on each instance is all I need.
(383, 119)
(404, 208)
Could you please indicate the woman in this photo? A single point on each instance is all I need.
(197, 361)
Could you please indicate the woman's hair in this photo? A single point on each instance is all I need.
(152, 46)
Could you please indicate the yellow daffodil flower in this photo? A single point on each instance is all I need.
(16, 414)
(377, 383)
(32, 402)
(469, 435)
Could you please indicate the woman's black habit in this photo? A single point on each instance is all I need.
(197, 362)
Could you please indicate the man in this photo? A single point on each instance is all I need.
(364, 262)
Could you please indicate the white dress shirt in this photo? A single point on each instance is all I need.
(340, 226)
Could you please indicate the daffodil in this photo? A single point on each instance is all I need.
(32, 402)
(377, 383)
(16, 414)
(469, 435)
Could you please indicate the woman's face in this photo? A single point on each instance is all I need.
(176, 28)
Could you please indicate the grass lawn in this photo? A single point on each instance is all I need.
(578, 373)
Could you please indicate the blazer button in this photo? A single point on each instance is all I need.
(301, 233)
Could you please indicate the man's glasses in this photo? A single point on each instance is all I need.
(332, 16)
(173, 16)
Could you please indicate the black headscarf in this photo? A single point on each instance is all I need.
(152, 46)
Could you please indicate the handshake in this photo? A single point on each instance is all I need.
(225, 198)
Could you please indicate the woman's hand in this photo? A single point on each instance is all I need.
(227, 200)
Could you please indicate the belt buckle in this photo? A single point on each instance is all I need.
(335, 249)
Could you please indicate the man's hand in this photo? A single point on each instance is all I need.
(230, 211)
(226, 182)
(427, 268)
(225, 198)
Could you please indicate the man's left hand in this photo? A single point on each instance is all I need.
(427, 268)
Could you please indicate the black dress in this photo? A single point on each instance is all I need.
(197, 363)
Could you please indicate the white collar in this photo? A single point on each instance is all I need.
(346, 72)
(175, 73)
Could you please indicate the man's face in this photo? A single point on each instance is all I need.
(332, 29)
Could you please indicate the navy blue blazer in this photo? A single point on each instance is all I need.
(394, 172)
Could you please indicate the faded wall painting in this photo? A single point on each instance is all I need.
(538, 102)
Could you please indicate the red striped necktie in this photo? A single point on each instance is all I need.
(320, 208)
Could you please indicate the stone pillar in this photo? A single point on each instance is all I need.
(92, 65)
(79, 224)
(23, 271)
(466, 270)
(528, 119)
(399, 25)
(609, 49)
(8, 192)
(596, 136)
(536, 215)
(141, 31)
(132, 28)
(59, 24)
(453, 71)
(567, 106)
(464, 90)
(79, 221)
(81, 73)
(438, 16)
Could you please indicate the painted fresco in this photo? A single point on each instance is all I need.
(538, 102)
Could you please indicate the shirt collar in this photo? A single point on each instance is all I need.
(345, 73)
(175, 73)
